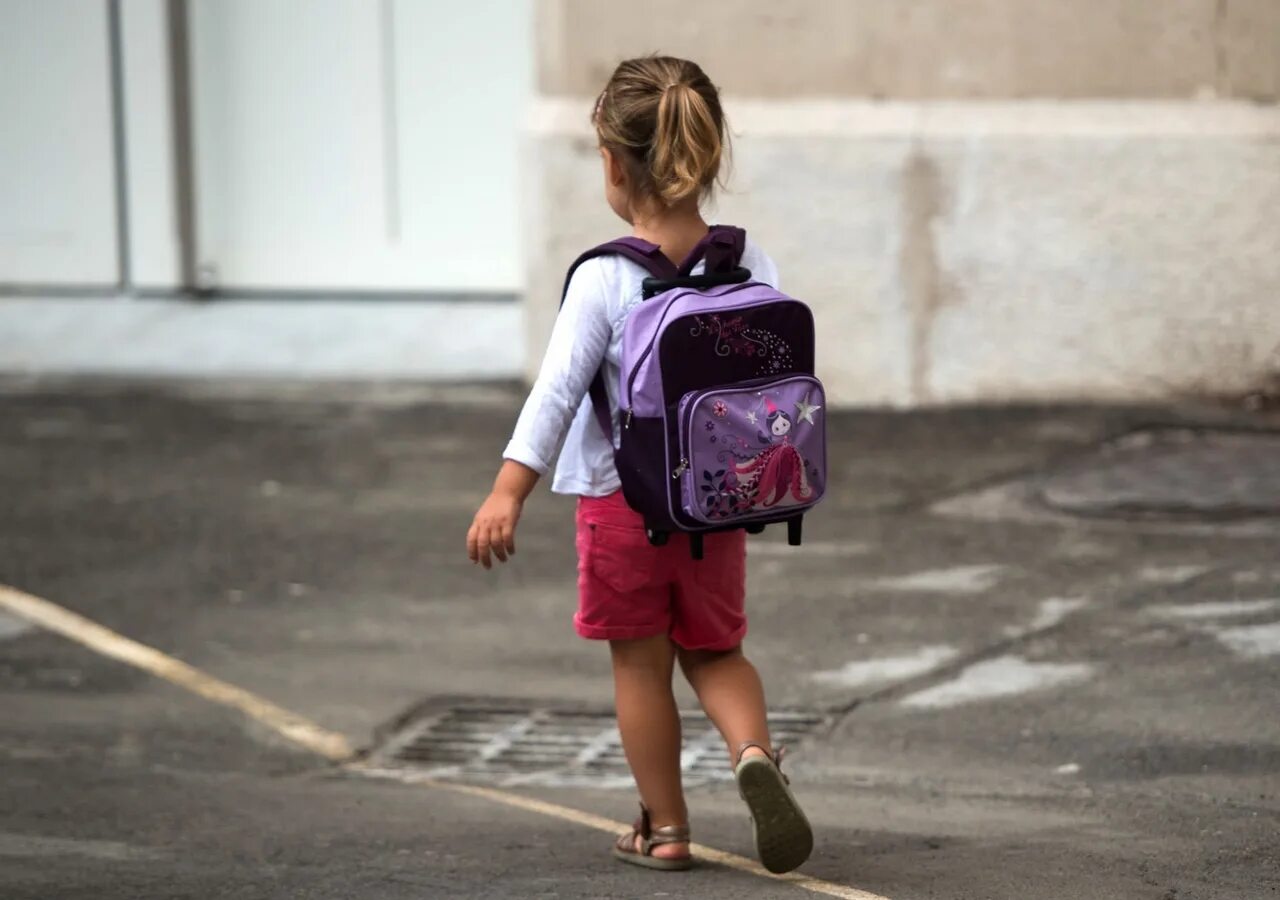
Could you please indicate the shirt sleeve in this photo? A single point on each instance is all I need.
(762, 267)
(769, 273)
(574, 354)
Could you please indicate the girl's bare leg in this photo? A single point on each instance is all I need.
(730, 692)
(650, 726)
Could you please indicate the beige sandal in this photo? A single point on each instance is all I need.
(784, 838)
(625, 847)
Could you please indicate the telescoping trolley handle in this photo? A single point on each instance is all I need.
(651, 286)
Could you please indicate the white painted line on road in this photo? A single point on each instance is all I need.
(1214, 610)
(1004, 676)
(1170, 574)
(27, 846)
(830, 549)
(1052, 611)
(887, 668)
(955, 580)
(301, 731)
(334, 746)
(1251, 641)
(612, 827)
(1249, 576)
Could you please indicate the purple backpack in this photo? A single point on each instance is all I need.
(722, 418)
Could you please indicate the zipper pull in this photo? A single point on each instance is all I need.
(626, 423)
(680, 470)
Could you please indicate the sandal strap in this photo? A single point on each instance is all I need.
(668, 834)
(643, 826)
(651, 837)
(775, 757)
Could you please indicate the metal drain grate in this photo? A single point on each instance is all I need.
(513, 744)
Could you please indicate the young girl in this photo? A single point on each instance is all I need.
(661, 134)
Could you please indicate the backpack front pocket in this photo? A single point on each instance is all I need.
(753, 450)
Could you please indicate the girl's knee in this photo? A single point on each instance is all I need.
(653, 653)
(691, 660)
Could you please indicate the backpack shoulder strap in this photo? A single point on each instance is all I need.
(651, 259)
(644, 254)
(721, 247)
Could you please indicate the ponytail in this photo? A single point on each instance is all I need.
(663, 116)
(684, 157)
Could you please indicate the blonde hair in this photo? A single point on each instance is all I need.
(661, 115)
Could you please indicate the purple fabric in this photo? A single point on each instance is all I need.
(752, 450)
(642, 378)
(722, 246)
(724, 421)
(642, 253)
(684, 343)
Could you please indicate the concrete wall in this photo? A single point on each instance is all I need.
(1035, 200)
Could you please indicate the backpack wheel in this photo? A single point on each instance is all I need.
(754, 528)
(657, 538)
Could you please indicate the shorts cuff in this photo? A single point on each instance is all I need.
(617, 632)
(728, 642)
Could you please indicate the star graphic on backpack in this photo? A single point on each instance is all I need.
(751, 417)
(805, 410)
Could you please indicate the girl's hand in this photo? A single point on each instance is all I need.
(493, 530)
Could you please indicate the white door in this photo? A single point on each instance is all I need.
(57, 165)
(359, 144)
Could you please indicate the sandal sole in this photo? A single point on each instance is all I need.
(653, 862)
(784, 838)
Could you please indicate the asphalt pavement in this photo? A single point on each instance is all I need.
(1037, 652)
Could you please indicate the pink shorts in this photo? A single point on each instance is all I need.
(629, 589)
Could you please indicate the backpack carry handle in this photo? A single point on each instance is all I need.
(651, 286)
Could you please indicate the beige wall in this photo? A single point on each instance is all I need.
(928, 49)
(1037, 200)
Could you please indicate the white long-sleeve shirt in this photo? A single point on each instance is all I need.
(588, 331)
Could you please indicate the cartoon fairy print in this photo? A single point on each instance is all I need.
(777, 474)
(779, 422)
(756, 459)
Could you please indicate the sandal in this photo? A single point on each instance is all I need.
(784, 838)
(625, 847)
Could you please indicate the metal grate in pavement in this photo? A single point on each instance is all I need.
(510, 744)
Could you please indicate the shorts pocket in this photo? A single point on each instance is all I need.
(622, 558)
